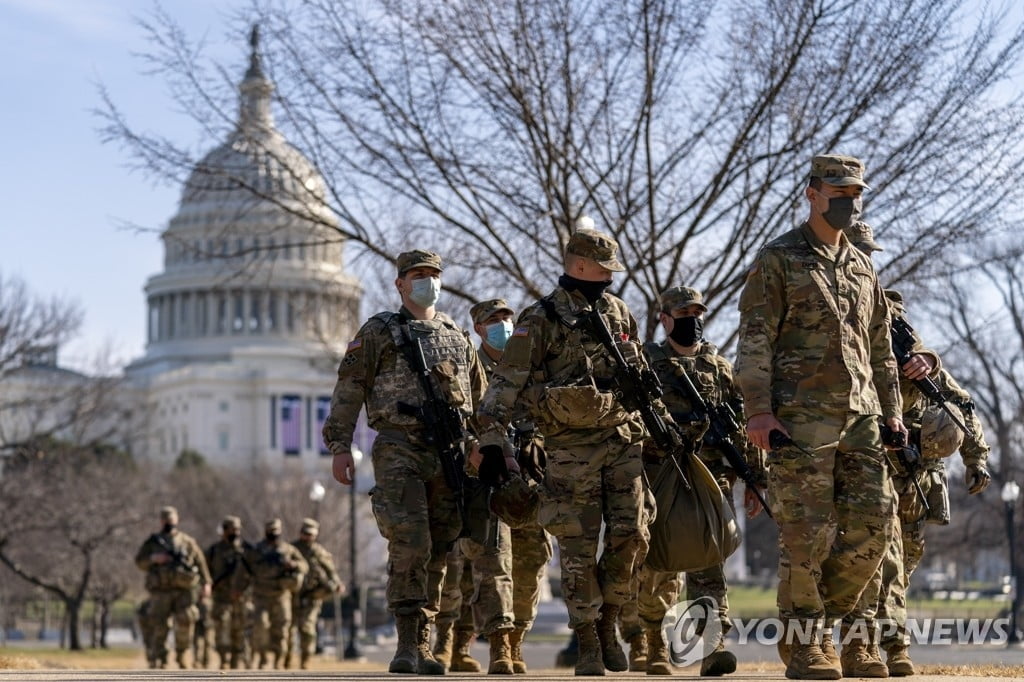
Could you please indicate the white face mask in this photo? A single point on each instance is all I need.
(425, 291)
(498, 334)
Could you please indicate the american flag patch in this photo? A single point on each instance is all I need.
(354, 344)
(521, 331)
(624, 336)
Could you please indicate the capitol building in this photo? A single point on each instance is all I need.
(250, 314)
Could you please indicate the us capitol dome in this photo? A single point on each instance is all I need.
(251, 312)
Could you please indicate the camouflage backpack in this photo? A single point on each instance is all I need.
(940, 436)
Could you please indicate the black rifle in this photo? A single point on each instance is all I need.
(443, 424)
(721, 424)
(177, 556)
(908, 458)
(636, 390)
(237, 557)
(903, 342)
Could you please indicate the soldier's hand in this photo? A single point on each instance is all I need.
(896, 424)
(976, 478)
(475, 456)
(760, 425)
(343, 467)
(207, 590)
(918, 367)
(751, 503)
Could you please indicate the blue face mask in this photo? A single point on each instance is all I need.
(425, 291)
(498, 334)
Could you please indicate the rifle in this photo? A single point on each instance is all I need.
(444, 431)
(903, 341)
(908, 457)
(177, 556)
(722, 423)
(637, 390)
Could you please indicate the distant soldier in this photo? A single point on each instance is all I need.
(321, 582)
(146, 631)
(232, 603)
(278, 571)
(175, 568)
(202, 640)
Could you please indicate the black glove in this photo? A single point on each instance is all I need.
(976, 478)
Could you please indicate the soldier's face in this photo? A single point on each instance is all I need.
(590, 271)
(481, 327)
(668, 320)
(819, 198)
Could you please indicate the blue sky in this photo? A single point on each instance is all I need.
(65, 194)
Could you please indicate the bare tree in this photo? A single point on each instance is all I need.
(684, 127)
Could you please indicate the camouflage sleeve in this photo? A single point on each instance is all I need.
(523, 354)
(885, 374)
(753, 455)
(974, 449)
(300, 563)
(477, 383)
(142, 556)
(327, 561)
(762, 305)
(356, 374)
(200, 558)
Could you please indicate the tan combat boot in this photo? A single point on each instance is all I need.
(611, 651)
(719, 662)
(515, 643)
(589, 662)
(657, 651)
(828, 647)
(857, 659)
(443, 643)
(462, 659)
(304, 661)
(638, 652)
(898, 661)
(405, 653)
(179, 658)
(501, 654)
(426, 664)
(806, 662)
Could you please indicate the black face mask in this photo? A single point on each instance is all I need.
(842, 212)
(232, 537)
(591, 291)
(169, 527)
(687, 331)
(272, 538)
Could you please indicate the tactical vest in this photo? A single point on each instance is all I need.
(702, 372)
(396, 381)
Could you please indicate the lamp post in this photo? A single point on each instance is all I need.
(1010, 494)
(317, 491)
(352, 650)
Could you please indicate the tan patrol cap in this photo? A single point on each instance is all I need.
(231, 522)
(680, 297)
(597, 246)
(169, 513)
(311, 526)
(408, 260)
(484, 309)
(273, 527)
(837, 170)
(862, 236)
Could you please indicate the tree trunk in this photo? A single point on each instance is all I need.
(73, 609)
(104, 622)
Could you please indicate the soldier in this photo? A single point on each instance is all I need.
(415, 506)
(232, 603)
(278, 571)
(815, 363)
(555, 368)
(685, 351)
(321, 582)
(146, 631)
(175, 568)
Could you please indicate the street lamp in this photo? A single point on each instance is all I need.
(352, 650)
(316, 496)
(1010, 494)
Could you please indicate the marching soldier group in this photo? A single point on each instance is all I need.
(254, 596)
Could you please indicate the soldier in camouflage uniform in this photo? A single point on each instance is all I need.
(175, 568)
(322, 581)
(278, 571)
(146, 631)
(685, 351)
(232, 602)
(560, 373)
(415, 508)
(815, 363)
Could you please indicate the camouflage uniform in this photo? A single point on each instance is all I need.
(172, 586)
(814, 350)
(321, 581)
(278, 571)
(561, 374)
(146, 628)
(414, 506)
(232, 602)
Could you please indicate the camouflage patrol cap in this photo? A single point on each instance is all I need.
(597, 246)
(169, 513)
(862, 236)
(680, 297)
(484, 309)
(839, 171)
(311, 526)
(515, 502)
(272, 527)
(231, 523)
(408, 260)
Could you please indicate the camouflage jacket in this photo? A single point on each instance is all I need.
(711, 375)
(376, 373)
(559, 374)
(322, 578)
(186, 569)
(814, 331)
(277, 568)
(230, 570)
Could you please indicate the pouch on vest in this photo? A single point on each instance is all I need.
(580, 406)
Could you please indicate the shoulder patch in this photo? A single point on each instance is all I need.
(521, 331)
(354, 344)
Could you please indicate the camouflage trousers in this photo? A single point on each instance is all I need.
(865, 614)
(417, 514)
(584, 485)
(305, 614)
(230, 620)
(272, 617)
(164, 606)
(531, 552)
(456, 592)
(146, 630)
(489, 596)
(833, 510)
